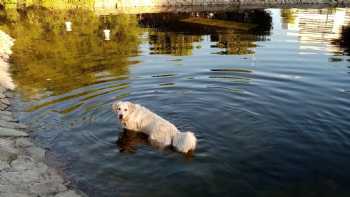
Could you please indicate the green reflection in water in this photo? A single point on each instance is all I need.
(48, 57)
(172, 43)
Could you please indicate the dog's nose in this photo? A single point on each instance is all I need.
(120, 116)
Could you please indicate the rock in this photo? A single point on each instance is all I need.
(69, 193)
(4, 165)
(50, 183)
(2, 95)
(12, 125)
(23, 163)
(3, 107)
(7, 118)
(7, 151)
(5, 101)
(6, 143)
(8, 132)
(23, 143)
(5, 113)
(47, 188)
(38, 154)
(7, 156)
(11, 194)
(9, 94)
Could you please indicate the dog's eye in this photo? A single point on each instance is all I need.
(119, 108)
(125, 110)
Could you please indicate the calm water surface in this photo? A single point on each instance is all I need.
(269, 102)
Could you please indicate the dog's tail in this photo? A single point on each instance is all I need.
(184, 141)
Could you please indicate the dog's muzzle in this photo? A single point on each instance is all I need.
(120, 117)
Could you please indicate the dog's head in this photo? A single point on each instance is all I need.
(123, 109)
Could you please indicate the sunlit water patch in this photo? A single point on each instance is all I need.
(265, 91)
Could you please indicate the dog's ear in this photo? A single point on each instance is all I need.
(131, 107)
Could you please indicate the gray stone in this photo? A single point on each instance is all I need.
(26, 169)
(23, 143)
(46, 188)
(9, 94)
(5, 113)
(22, 180)
(11, 194)
(38, 154)
(3, 107)
(7, 118)
(23, 163)
(4, 165)
(8, 132)
(2, 95)
(8, 152)
(7, 156)
(69, 193)
(6, 143)
(5, 101)
(12, 125)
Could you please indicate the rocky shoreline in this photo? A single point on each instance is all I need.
(23, 168)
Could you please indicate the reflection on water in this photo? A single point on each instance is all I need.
(65, 50)
(128, 141)
(174, 35)
(344, 41)
(265, 91)
(317, 29)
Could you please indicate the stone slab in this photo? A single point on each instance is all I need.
(69, 193)
(3, 107)
(8, 132)
(7, 118)
(38, 154)
(12, 125)
(23, 143)
(7, 156)
(5, 101)
(5, 113)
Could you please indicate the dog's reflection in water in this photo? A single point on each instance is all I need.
(128, 141)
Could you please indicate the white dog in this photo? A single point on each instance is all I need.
(160, 131)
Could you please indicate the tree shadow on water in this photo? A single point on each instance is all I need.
(344, 41)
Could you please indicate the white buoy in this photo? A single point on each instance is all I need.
(107, 34)
(68, 26)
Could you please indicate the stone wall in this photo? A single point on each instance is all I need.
(23, 168)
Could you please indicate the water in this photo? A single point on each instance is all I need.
(269, 104)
